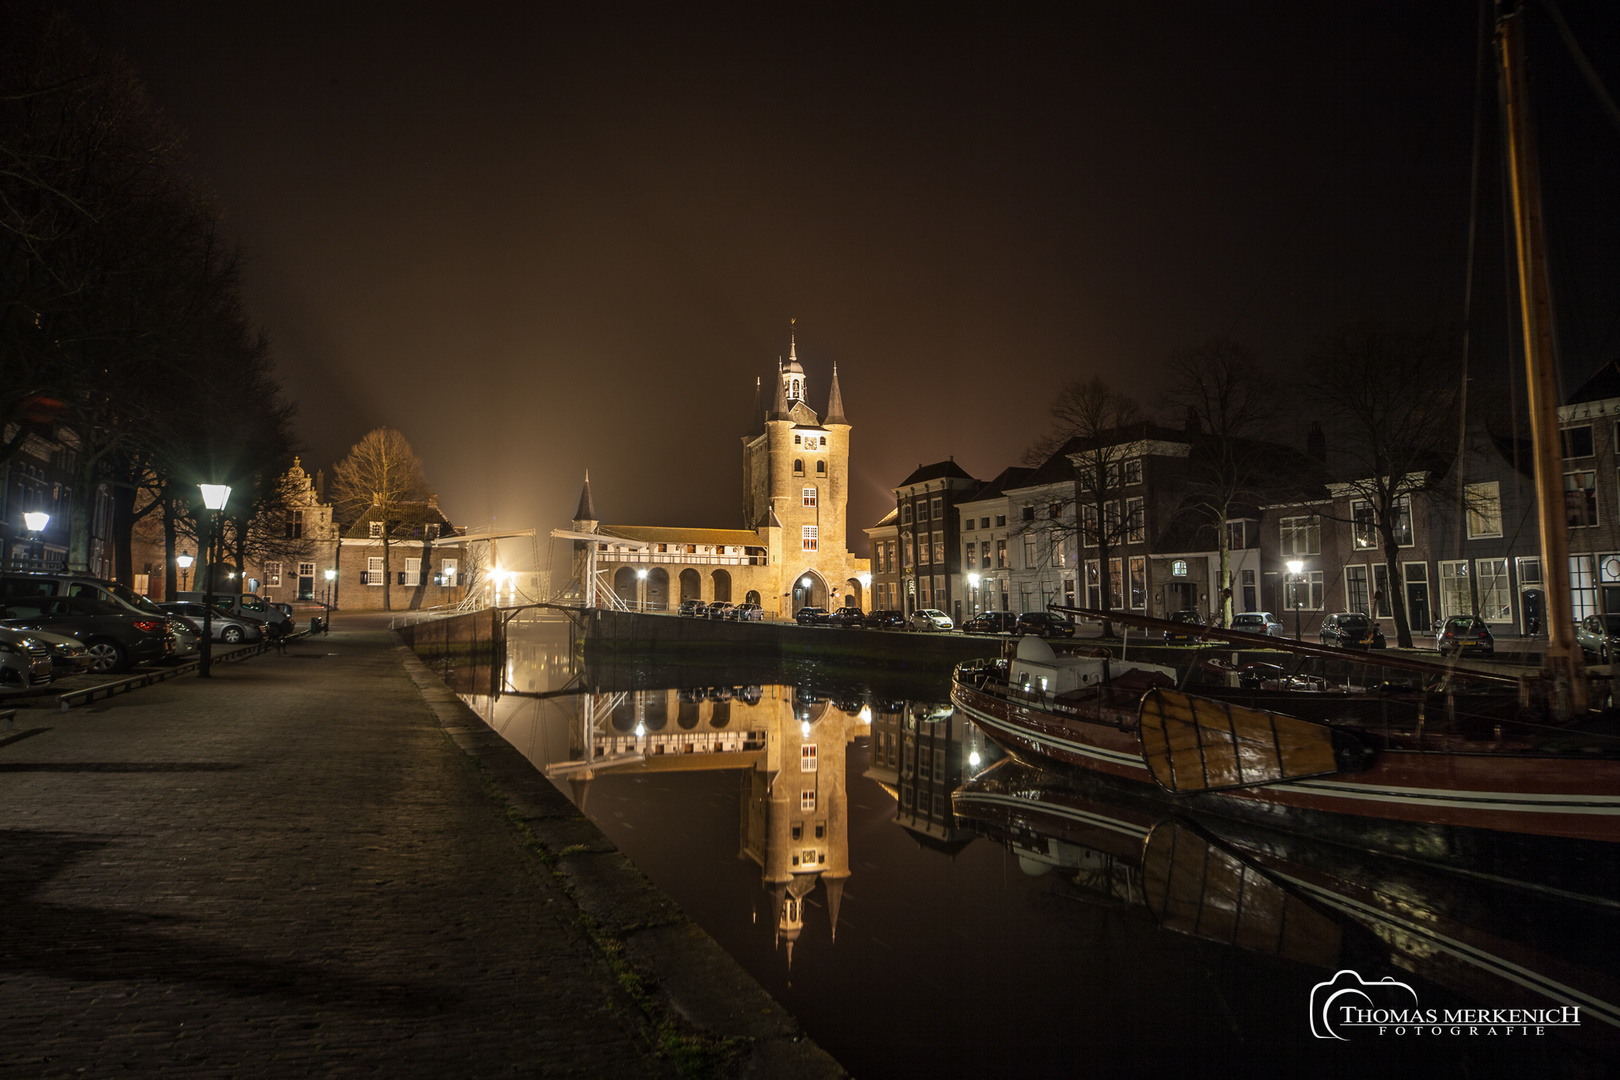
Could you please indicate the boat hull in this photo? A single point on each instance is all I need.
(1526, 793)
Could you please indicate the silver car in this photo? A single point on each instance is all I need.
(226, 627)
(24, 660)
(68, 654)
(1258, 622)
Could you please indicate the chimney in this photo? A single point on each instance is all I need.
(1316, 443)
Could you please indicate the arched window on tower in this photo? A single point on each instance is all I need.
(821, 468)
(795, 392)
(798, 466)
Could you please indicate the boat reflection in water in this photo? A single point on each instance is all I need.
(1282, 895)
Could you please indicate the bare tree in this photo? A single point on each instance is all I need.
(381, 476)
(1219, 388)
(1093, 427)
(1389, 403)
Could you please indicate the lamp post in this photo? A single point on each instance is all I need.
(1295, 566)
(214, 497)
(641, 588)
(36, 521)
(184, 561)
(973, 583)
(331, 584)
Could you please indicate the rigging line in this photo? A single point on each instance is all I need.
(1583, 65)
(1468, 290)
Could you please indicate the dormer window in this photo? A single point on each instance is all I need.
(433, 530)
(376, 529)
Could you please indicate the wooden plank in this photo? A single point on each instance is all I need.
(1195, 744)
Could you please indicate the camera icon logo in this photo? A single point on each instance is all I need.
(1348, 1001)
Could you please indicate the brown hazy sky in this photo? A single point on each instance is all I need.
(540, 238)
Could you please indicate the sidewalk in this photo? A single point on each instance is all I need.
(323, 864)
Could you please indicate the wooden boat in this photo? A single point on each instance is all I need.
(1364, 766)
(1278, 894)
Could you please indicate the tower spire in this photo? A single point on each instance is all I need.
(587, 509)
(835, 402)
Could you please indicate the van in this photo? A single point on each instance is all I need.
(249, 605)
(27, 583)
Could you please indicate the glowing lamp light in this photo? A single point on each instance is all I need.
(865, 578)
(641, 731)
(804, 728)
(866, 714)
(642, 573)
(804, 583)
(973, 580)
(184, 560)
(974, 759)
(215, 495)
(1295, 566)
(330, 574)
(36, 520)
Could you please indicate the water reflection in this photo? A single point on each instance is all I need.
(1282, 895)
(873, 860)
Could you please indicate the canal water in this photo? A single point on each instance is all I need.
(925, 906)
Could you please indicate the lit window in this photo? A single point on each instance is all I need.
(807, 799)
(807, 758)
(810, 537)
(809, 496)
(272, 573)
(1300, 536)
(1484, 509)
(1178, 568)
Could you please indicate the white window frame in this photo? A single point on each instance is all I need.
(1293, 532)
(808, 495)
(807, 757)
(447, 569)
(1483, 505)
(810, 537)
(413, 571)
(376, 530)
(272, 574)
(1495, 590)
(807, 800)
(374, 570)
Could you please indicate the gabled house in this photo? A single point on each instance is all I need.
(930, 536)
(989, 550)
(427, 559)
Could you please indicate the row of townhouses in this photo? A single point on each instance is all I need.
(1468, 541)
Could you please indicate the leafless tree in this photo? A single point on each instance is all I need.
(382, 475)
(1093, 427)
(1388, 400)
(1218, 386)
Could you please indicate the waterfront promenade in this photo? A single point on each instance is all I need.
(322, 864)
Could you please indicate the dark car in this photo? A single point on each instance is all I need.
(886, 619)
(1464, 633)
(810, 616)
(1351, 630)
(720, 609)
(1597, 635)
(690, 607)
(1044, 624)
(115, 635)
(1192, 618)
(228, 628)
(992, 622)
(846, 617)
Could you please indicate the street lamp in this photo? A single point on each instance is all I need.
(973, 583)
(184, 561)
(641, 588)
(35, 522)
(1295, 566)
(214, 497)
(331, 580)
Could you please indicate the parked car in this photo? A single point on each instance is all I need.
(1464, 633)
(187, 642)
(1190, 617)
(25, 660)
(992, 622)
(1258, 622)
(1351, 630)
(68, 654)
(692, 608)
(886, 619)
(1044, 624)
(931, 619)
(847, 617)
(810, 616)
(749, 613)
(224, 626)
(246, 604)
(115, 635)
(720, 609)
(1597, 635)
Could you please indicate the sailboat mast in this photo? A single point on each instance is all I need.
(1563, 658)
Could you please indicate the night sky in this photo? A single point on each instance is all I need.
(544, 238)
